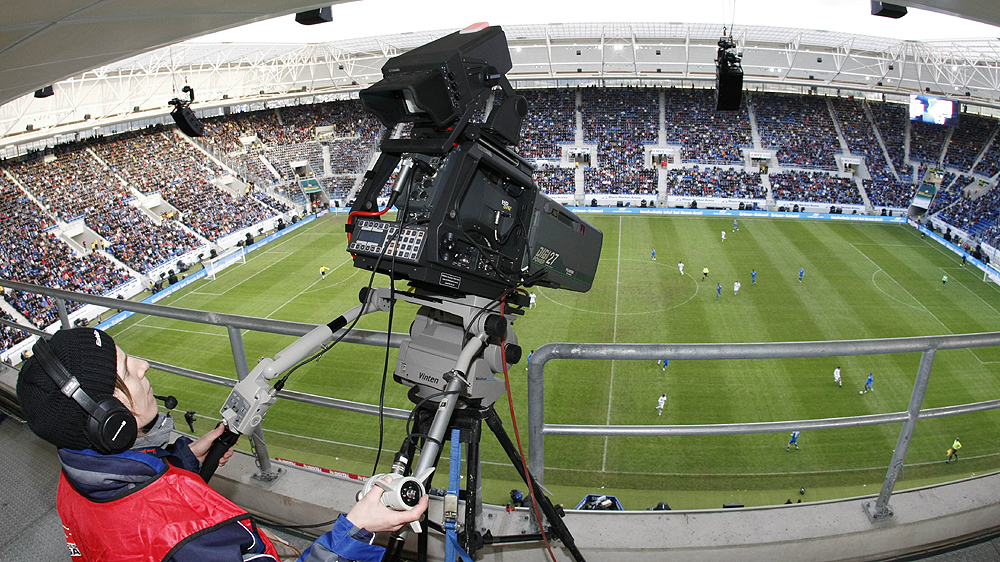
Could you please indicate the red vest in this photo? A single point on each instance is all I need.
(149, 523)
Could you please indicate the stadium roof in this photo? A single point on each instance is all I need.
(66, 43)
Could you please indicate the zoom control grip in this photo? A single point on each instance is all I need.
(222, 444)
(399, 492)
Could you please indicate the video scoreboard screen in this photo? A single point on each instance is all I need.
(924, 195)
(930, 109)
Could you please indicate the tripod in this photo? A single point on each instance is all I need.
(469, 423)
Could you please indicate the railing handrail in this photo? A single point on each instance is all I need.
(751, 428)
(257, 324)
(294, 395)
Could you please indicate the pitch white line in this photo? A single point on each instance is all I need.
(924, 307)
(920, 308)
(334, 284)
(306, 290)
(916, 300)
(614, 339)
(196, 332)
(716, 474)
(306, 437)
(951, 256)
(652, 311)
(964, 286)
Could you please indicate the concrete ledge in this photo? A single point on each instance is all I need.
(831, 531)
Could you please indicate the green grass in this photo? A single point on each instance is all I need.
(861, 281)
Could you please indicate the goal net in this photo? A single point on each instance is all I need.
(991, 275)
(236, 254)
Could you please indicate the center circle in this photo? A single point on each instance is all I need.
(633, 284)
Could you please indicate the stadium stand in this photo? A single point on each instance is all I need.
(885, 192)
(99, 180)
(337, 187)
(814, 187)
(9, 336)
(891, 121)
(555, 180)
(859, 135)
(550, 123)
(159, 161)
(800, 128)
(927, 142)
(76, 185)
(989, 164)
(976, 215)
(950, 191)
(712, 181)
(270, 201)
(708, 136)
(30, 254)
(967, 141)
(620, 121)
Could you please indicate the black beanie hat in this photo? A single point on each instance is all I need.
(89, 355)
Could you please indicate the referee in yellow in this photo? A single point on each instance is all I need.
(953, 452)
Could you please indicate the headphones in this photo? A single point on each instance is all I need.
(111, 427)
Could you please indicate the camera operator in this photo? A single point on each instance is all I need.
(143, 499)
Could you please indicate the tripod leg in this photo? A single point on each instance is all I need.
(555, 520)
(473, 506)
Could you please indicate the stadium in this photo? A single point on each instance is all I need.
(796, 217)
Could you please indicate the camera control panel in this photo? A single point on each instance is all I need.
(375, 237)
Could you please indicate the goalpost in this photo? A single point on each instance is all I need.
(991, 274)
(236, 254)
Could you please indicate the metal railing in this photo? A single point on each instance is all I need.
(234, 323)
(927, 346)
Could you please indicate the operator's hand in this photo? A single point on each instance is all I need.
(200, 447)
(372, 515)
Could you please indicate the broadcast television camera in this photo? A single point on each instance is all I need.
(470, 220)
(471, 226)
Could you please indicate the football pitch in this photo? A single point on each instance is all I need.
(860, 281)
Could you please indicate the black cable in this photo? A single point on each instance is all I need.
(410, 436)
(530, 280)
(401, 220)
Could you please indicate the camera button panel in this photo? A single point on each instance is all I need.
(379, 237)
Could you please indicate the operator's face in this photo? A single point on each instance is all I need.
(132, 372)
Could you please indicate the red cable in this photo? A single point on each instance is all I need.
(350, 218)
(517, 436)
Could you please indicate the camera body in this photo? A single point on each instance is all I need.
(470, 219)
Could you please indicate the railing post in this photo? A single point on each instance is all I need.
(267, 473)
(239, 352)
(63, 315)
(536, 413)
(880, 508)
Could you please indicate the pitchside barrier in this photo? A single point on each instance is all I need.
(736, 214)
(989, 272)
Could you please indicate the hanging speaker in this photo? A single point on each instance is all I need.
(888, 10)
(728, 91)
(188, 122)
(312, 17)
